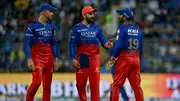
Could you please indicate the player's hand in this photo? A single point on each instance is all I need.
(75, 64)
(110, 64)
(109, 44)
(30, 64)
(56, 64)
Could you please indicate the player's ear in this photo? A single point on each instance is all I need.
(83, 16)
(42, 13)
(125, 19)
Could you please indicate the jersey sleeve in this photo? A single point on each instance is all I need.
(54, 44)
(101, 36)
(119, 43)
(28, 40)
(73, 43)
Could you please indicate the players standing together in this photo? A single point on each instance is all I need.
(42, 54)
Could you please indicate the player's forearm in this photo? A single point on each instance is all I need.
(55, 51)
(116, 51)
(103, 41)
(55, 48)
(28, 55)
(27, 49)
(73, 51)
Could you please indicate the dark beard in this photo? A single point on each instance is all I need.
(122, 20)
(90, 20)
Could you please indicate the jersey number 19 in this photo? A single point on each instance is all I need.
(133, 43)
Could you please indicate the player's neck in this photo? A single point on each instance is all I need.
(42, 19)
(85, 23)
(127, 22)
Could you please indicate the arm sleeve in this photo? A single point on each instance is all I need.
(118, 44)
(54, 44)
(28, 41)
(101, 37)
(73, 44)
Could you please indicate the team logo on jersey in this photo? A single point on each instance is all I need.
(45, 33)
(133, 32)
(79, 71)
(88, 34)
(97, 69)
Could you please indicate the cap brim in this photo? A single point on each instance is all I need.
(53, 9)
(93, 10)
(120, 11)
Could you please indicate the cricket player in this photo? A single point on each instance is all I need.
(41, 52)
(126, 56)
(85, 53)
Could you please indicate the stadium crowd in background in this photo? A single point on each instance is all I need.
(159, 19)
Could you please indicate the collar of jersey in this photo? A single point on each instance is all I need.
(86, 26)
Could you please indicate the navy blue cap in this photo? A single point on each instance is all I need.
(128, 13)
(46, 6)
